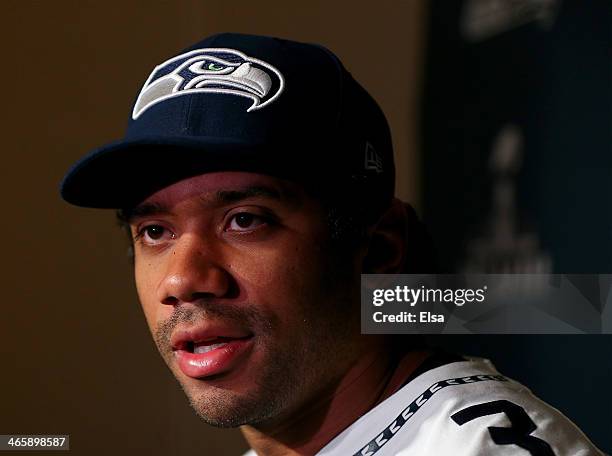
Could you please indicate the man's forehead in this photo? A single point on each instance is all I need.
(227, 186)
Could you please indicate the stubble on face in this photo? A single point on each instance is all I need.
(300, 303)
(216, 405)
(300, 368)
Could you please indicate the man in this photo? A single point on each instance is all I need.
(256, 178)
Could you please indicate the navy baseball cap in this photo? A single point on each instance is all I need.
(243, 103)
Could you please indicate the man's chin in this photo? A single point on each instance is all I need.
(255, 394)
(224, 408)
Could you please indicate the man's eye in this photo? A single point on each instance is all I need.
(154, 233)
(245, 221)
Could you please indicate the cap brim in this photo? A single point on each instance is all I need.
(124, 173)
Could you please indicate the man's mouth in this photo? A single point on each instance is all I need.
(201, 354)
(206, 346)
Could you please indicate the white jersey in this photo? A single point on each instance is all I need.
(464, 408)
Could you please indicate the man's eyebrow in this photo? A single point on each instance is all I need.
(218, 198)
(143, 210)
(233, 196)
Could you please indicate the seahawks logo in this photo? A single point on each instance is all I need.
(225, 71)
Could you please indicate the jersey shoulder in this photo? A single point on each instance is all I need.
(464, 408)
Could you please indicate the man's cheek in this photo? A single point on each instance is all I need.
(145, 292)
(264, 268)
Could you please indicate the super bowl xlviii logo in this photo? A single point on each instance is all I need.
(211, 70)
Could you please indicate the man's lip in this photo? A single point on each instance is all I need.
(184, 338)
(219, 360)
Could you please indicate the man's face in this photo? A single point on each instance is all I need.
(249, 307)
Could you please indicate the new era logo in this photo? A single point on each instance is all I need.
(372, 159)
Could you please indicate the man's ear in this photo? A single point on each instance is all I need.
(387, 241)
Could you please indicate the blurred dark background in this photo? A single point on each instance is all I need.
(516, 146)
(500, 113)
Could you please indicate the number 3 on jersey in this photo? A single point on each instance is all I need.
(519, 432)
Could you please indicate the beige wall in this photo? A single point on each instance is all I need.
(76, 355)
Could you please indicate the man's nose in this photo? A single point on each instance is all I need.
(193, 271)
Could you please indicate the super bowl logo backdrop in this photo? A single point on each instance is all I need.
(516, 135)
(517, 155)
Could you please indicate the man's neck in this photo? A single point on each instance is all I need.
(370, 380)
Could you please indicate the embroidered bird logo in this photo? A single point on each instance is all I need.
(225, 71)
